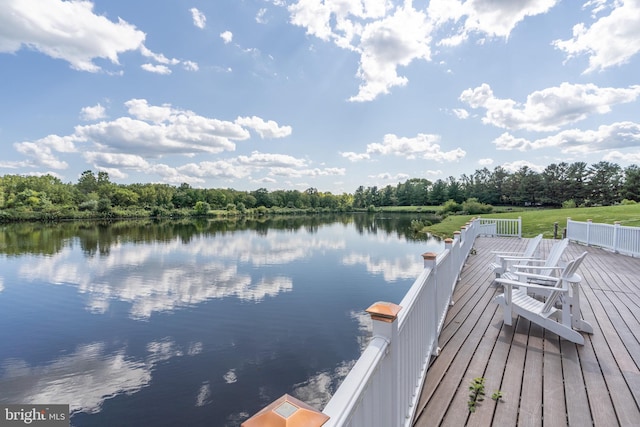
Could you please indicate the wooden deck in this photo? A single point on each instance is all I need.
(545, 381)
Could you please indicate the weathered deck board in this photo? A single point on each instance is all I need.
(545, 381)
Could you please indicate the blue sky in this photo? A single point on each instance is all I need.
(292, 94)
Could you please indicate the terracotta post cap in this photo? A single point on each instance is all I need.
(429, 256)
(287, 411)
(448, 240)
(384, 311)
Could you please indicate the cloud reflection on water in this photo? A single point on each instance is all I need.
(406, 267)
(85, 378)
(158, 278)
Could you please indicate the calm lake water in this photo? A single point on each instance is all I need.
(192, 323)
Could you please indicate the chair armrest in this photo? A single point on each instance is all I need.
(539, 277)
(534, 260)
(535, 267)
(528, 285)
(504, 253)
(519, 258)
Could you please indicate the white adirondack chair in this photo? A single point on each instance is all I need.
(541, 267)
(504, 259)
(565, 321)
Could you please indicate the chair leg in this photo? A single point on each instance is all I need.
(508, 316)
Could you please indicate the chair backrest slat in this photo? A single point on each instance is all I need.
(567, 272)
(554, 257)
(532, 246)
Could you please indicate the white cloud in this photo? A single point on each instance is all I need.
(159, 130)
(128, 143)
(611, 40)
(260, 16)
(389, 177)
(119, 160)
(199, 20)
(95, 112)
(486, 17)
(385, 38)
(618, 157)
(298, 173)
(158, 57)
(218, 169)
(266, 129)
(156, 68)
(190, 66)
(171, 175)
(506, 141)
(423, 145)
(460, 113)
(388, 36)
(388, 43)
(355, 157)
(548, 109)
(226, 36)
(40, 153)
(597, 6)
(605, 137)
(257, 159)
(485, 162)
(52, 28)
(519, 164)
(140, 109)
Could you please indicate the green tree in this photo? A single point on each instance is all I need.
(577, 178)
(201, 208)
(263, 198)
(631, 186)
(438, 193)
(87, 183)
(454, 190)
(605, 183)
(555, 182)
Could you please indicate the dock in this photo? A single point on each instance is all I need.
(544, 381)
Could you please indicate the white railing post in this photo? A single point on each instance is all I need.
(519, 227)
(384, 317)
(588, 232)
(448, 245)
(430, 262)
(616, 234)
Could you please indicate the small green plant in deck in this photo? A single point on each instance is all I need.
(476, 393)
(497, 396)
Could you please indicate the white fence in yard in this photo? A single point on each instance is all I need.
(618, 238)
(501, 227)
(383, 387)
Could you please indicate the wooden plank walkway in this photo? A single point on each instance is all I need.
(545, 381)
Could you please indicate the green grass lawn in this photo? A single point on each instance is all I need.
(542, 220)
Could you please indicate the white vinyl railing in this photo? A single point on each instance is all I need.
(384, 385)
(501, 227)
(618, 238)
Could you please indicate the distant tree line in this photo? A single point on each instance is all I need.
(599, 184)
(47, 197)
